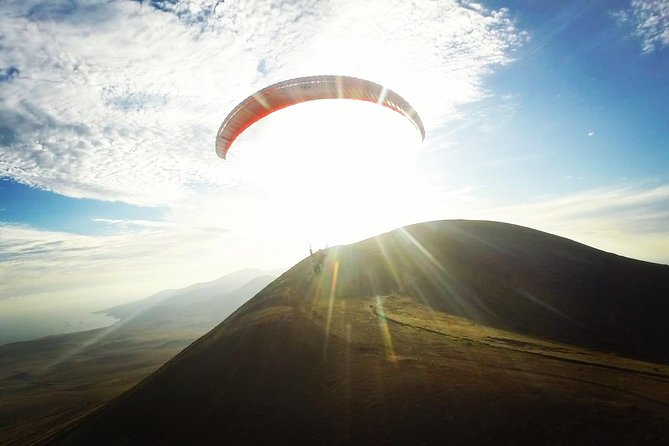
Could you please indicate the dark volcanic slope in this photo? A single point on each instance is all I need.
(372, 350)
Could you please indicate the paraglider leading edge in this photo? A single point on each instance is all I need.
(294, 91)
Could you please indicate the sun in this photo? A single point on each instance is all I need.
(335, 170)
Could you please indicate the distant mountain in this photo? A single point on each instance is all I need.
(462, 332)
(172, 302)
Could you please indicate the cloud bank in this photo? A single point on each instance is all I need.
(121, 100)
(53, 266)
(630, 220)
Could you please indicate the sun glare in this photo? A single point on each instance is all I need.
(336, 170)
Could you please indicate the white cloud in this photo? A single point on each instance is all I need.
(121, 101)
(629, 220)
(64, 267)
(650, 22)
(132, 223)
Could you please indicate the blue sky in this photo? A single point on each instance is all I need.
(41, 209)
(590, 109)
(551, 115)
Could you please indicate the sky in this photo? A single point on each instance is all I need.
(552, 115)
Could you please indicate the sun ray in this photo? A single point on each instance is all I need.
(385, 332)
(459, 298)
(331, 298)
(422, 249)
(391, 265)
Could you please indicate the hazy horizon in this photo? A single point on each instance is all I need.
(28, 327)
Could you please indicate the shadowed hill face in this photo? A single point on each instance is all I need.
(372, 350)
(517, 278)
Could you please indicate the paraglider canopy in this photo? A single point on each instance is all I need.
(294, 91)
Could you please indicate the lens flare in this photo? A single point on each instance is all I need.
(328, 321)
(385, 332)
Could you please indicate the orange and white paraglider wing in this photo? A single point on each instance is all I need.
(303, 89)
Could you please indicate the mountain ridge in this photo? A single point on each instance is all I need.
(185, 295)
(489, 337)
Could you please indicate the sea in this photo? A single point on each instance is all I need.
(26, 327)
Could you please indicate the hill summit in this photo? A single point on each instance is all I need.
(469, 332)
